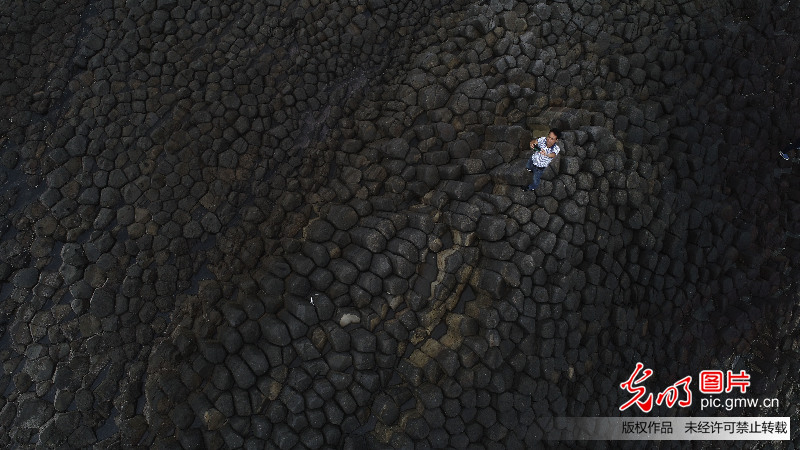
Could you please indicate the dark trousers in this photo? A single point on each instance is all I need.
(537, 174)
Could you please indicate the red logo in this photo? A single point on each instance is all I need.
(668, 396)
(710, 381)
(714, 381)
(638, 391)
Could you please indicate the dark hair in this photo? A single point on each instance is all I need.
(557, 132)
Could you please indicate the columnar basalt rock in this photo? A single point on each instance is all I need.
(300, 224)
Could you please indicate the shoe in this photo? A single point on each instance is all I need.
(784, 155)
(527, 189)
(529, 170)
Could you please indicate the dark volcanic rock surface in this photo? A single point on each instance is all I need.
(300, 224)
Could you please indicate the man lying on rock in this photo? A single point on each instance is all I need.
(544, 150)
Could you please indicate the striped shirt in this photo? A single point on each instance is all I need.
(540, 160)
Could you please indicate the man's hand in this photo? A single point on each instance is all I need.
(533, 144)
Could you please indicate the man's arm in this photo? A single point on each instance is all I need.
(550, 155)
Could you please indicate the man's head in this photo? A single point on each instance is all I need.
(553, 136)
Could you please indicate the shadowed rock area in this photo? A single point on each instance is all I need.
(300, 224)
